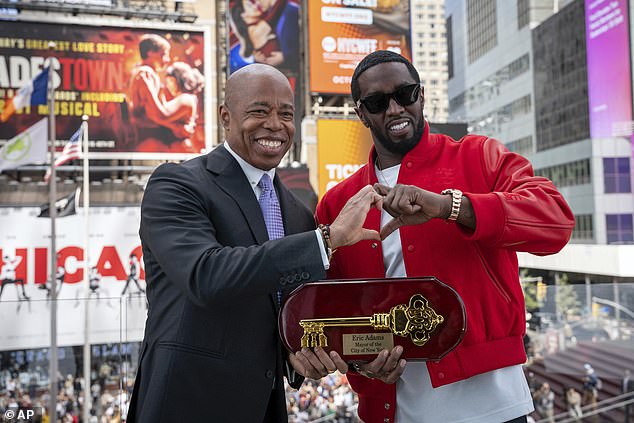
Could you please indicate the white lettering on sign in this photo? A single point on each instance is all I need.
(356, 45)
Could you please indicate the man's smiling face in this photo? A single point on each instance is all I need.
(399, 128)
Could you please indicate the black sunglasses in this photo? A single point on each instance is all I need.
(378, 103)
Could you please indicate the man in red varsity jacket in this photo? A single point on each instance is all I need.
(458, 210)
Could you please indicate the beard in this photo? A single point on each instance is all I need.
(402, 147)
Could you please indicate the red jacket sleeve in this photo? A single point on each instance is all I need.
(523, 212)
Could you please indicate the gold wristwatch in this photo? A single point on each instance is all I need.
(456, 201)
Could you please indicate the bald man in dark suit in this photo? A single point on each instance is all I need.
(214, 268)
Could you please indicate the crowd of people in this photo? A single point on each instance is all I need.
(330, 396)
(544, 397)
(316, 399)
(108, 399)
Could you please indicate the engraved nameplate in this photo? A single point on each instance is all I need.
(367, 343)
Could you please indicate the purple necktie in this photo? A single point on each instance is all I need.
(270, 208)
(272, 214)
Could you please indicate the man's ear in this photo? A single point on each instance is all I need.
(361, 117)
(422, 98)
(225, 116)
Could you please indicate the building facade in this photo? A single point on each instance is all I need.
(490, 80)
(429, 53)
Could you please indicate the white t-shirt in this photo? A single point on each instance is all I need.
(496, 396)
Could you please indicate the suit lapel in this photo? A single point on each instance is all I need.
(231, 179)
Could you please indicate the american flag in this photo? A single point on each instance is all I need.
(72, 151)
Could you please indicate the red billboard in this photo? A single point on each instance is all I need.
(143, 89)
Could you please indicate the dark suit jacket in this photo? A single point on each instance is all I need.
(211, 351)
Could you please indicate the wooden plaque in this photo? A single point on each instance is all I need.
(359, 318)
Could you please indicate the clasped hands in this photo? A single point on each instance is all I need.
(407, 204)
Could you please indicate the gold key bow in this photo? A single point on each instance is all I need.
(418, 320)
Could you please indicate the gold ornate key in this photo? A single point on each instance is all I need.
(416, 320)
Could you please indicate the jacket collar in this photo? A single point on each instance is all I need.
(232, 180)
(422, 152)
(252, 173)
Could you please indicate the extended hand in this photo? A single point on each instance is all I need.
(387, 366)
(409, 205)
(317, 364)
(347, 229)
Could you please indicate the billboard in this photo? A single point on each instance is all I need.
(342, 148)
(609, 71)
(264, 31)
(342, 32)
(267, 31)
(116, 299)
(143, 89)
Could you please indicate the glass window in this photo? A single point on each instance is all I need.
(522, 145)
(619, 228)
(616, 174)
(448, 25)
(481, 27)
(568, 174)
(583, 227)
(523, 13)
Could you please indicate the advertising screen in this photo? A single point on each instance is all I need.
(264, 31)
(142, 89)
(342, 32)
(609, 73)
(342, 148)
